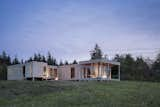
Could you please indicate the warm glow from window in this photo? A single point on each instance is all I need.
(56, 78)
(104, 76)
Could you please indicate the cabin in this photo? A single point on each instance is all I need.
(85, 70)
(97, 68)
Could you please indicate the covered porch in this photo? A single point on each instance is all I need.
(100, 69)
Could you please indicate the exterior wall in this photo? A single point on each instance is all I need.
(97, 71)
(44, 71)
(32, 70)
(28, 70)
(51, 74)
(35, 69)
(38, 68)
(15, 72)
(65, 72)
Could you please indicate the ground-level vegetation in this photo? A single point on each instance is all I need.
(79, 94)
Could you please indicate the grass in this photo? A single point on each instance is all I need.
(79, 94)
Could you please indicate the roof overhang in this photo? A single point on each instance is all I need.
(99, 61)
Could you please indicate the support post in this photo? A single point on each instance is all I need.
(98, 69)
(108, 72)
(119, 72)
(32, 72)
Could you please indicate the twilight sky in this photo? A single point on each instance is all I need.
(69, 29)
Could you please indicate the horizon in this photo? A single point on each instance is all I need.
(70, 29)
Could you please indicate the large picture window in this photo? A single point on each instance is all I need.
(55, 73)
(51, 73)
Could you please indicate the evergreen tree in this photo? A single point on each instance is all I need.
(66, 62)
(156, 65)
(61, 63)
(15, 61)
(156, 69)
(22, 61)
(55, 62)
(141, 69)
(127, 66)
(39, 58)
(5, 60)
(133, 69)
(43, 59)
(118, 58)
(35, 58)
(49, 59)
(30, 59)
(1, 59)
(8, 60)
(4, 57)
(3, 71)
(75, 62)
(52, 61)
(96, 53)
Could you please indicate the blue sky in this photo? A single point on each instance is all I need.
(69, 29)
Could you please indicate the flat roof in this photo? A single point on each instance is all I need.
(99, 61)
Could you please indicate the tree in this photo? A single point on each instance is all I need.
(49, 59)
(156, 68)
(55, 62)
(22, 61)
(66, 62)
(52, 61)
(5, 60)
(96, 53)
(3, 71)
(132, 69)
(61, 63)
(75, 62)
(8, 60)
(35, 58)
(156, 65)
(127, 66)
(118, 58)
(30, 59)
(39, 57)
(15, 61)
(43, 59)
(141, 69)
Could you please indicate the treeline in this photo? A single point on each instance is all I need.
(131, 68)
(6, 60)
(49, 59)
(139, 68)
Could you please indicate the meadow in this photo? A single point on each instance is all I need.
(79, 94)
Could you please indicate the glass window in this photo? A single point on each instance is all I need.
(72, 72)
